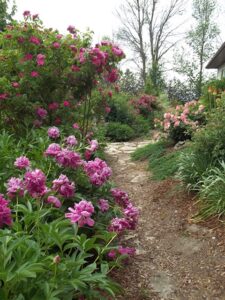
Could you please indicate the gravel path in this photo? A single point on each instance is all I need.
(176, 259)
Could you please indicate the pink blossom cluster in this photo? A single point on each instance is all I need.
(40, 59)
(103, 205)
(22, 162)
(63, 186)
(90, 150)
(97, 171)
(121, 250)
(5, 212)
(130, 212)
(145, 102)
(15, 186)
(98, 57)
(35, 183)
(54, 200)
(69, 158)
(81, 213)
(53, 132)
(71, 140)
(184, 114)
(112, 75)
(41, 113)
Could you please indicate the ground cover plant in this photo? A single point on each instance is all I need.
(60, 216)
(163, 160)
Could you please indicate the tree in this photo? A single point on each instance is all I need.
(201, 38)
(162, 32)
(147, 20)
(132, 15)
(6, 14)
(130, 83)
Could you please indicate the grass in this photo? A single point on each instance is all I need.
(162, 164)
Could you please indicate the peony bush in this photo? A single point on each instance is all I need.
(60, 216)
(59, 224)
(47, 77)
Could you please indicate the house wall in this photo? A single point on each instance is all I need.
(221, 72)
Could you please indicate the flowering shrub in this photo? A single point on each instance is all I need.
(144, 105)
(46, 76)
(184, 121)
(59, 219)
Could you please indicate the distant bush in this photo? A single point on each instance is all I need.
(119, 132)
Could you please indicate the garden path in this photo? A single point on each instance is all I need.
(176, 259)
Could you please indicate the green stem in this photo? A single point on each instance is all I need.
(103, 249)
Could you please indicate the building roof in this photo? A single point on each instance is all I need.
(218, 59)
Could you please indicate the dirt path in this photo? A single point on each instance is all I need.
(175, 259)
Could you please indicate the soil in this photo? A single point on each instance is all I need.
(176, 258)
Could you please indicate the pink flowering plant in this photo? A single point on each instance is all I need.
(48, 77)
(60, 217)
(145, 104)
(183, 121)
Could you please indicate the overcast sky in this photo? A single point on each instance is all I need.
(98, 15)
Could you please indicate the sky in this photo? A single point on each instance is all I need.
(98, 15)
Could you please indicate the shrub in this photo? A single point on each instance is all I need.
(48, 247)
(46, 76)
(119, 132)
(144, 105)
(206, 151)
(184, 121)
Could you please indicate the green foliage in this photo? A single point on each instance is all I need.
(119, 132)
(212, 192)
(162, 164)
(6, 16)
(130, 83)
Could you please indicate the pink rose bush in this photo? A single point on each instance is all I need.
(181, 123)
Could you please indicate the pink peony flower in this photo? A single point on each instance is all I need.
(34, 74)
(118, 225)
(54, 200)
(103, 205)
(34, 40)
(35, 16)
(87, 154)
(56, 259)
(22, 162)
(35, 183)
(71, 140)
(53, 106)
(15, 187)
(27, 57)
(112, 254)
(120, 197)
(56, 45)
(71, 29)
(66, 103)
(68, 158)
(97, 171)
(81, 213)
(126, 250)
(40, 59)
(131, 214)
(63, 186)
(3, 96)
(53, 150)
(26, 13)
(112, 76)
(41, 113)
(21, 39)
(107, 109)
(73, 48)
(117, 51)
(76, 126)
(93, 145)
(5, 212)
(15, 84)
(59, 36)
(53, 132)
(75, 68)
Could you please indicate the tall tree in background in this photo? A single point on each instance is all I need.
(148, 29)
(201, 38)
(132, 15)
(163, 33)
(6, 14)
